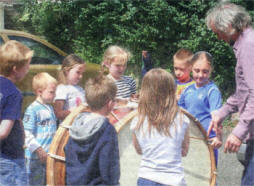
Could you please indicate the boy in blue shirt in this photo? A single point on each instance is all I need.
(15, 59)
(40, 127)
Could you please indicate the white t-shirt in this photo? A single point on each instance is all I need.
(162, 155)
(72, 95)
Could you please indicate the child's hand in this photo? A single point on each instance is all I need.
(41, 154)
(216, 142)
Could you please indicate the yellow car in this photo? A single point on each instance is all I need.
(47, 58)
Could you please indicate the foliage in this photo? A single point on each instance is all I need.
(160, 26)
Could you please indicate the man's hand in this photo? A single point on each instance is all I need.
(215, 123)
(41, 154)
(232, 144)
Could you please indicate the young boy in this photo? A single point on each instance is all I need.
(182, 69)
(92, 154)
(40, 127)
(14, 65)
(115, 59)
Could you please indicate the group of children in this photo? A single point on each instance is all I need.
(92, 155)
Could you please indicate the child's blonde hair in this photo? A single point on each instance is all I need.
(13, 53)
(203, 55)
(68, 63)
(184, 55)
(115, 54)
(42, 80)
(158, 101)
(99, 91)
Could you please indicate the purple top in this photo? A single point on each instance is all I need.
(243, 98)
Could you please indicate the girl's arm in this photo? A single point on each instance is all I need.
(5, 128)
(186, 142)
(58, 107)
(136, 144)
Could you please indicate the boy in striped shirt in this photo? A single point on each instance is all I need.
(40, 127)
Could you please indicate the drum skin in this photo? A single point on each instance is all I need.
(199, 165)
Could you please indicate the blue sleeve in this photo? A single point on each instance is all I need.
(181, 101)
(12, 109)
(109, 159)
(215, 99)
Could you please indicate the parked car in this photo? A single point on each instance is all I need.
(47, 58)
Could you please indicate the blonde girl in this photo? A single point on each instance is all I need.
(68, 93)
(203, 97)
(115, 58)
(160, 131)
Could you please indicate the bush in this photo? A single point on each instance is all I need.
(160, 26)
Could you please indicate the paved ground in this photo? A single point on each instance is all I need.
(229, 168)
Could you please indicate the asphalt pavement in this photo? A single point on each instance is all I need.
(229, 171)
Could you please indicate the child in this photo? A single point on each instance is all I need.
(40, 127)
(203, 97)
(115, 59)
(15, 59)
(92, 155)
(160, 132)
(182, 69)
(68, 94)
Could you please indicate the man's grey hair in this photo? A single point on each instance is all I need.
(227, 14)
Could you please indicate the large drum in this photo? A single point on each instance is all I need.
(199, 165)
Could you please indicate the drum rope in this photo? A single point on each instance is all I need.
(56, 157)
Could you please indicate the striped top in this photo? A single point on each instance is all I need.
(40, 127)
(126, 86)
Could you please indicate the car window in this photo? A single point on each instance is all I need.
(42, 53)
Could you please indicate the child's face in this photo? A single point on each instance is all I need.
(75, 74)
(117, 69)
(182, 70)
(48, 94)
(20, 73)
(201, 71)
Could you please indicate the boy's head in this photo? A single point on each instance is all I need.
(115, 59)
(182, 64)
(100, 92)
(44, 86)
(14, 60)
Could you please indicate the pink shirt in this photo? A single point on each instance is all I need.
(243, 98)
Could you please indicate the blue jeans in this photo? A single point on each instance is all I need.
(13, 172)
(146, 182)
(248, 172)
(36, 172)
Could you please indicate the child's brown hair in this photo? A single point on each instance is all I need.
(183, 54)
(158, 101)
(99, 91)
(67, 64)
(13, 53)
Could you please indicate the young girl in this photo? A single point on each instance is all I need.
(160, 131)
(68, 94)
(203, 97)
(115, 59)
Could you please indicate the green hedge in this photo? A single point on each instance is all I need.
(160, 26)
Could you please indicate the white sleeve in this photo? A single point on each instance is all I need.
(31, 142)
(61, 92)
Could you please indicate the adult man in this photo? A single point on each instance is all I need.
(232, 24)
